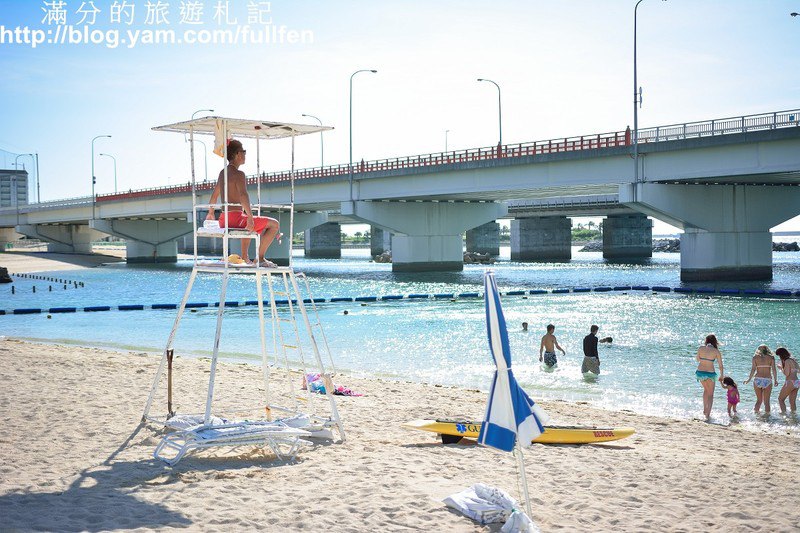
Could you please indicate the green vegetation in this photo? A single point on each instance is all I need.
(581, 234)
(357, 238)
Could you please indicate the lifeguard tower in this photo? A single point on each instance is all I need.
(291, 336)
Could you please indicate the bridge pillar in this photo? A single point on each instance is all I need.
(728, 256)
(726, 227)
(541, 239)
(8, 236)
(380, 241)
(146, 241)
(627, 237)
(279, 253)
(426, 235)
(63, 238)
(484, 239)
(324, 241)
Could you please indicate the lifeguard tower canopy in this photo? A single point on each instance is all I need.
(238, 127)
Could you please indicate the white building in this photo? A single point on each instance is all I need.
(13, 188)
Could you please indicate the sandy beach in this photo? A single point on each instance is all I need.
(22, 261)
(76, 458)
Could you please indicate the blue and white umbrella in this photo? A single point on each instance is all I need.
(512, 419)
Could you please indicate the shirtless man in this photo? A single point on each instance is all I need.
(548, 346)
(237, 194)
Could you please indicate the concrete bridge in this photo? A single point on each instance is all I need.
(725, 182)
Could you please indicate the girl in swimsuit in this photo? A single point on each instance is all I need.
(705, 374)
(763, 368)
(792, 385)
(733, 395)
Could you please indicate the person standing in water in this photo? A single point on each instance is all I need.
(547, 348)
(705, 373)
(766, 375)
(591, 359)
(792, 385)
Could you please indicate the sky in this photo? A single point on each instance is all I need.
(565, 68)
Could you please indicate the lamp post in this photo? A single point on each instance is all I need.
(637, 99)
(202, 111)
(205, 153)
(115, 169)
(94, 179)
(38, 182)
(499, 107)
(445, 139)
(16, 184)
(321, 145)
(351, 126)
(794, 14)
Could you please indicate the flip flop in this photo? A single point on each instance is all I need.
(266, 263)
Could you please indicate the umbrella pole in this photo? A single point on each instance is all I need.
(170, 412)
(521, 468)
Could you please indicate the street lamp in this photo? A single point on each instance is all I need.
(794, 14)
(205, 153)
(637, 98)
(16, 184)
(351, 125)
(202, 111)
(321, 146)
(499, 107)
(94, 179)
(445, 139)
(115, 169)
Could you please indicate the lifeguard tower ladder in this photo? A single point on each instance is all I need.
(287, 289)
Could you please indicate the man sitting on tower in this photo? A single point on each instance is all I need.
(241, 216)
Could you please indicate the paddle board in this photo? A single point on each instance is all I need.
(453, 431)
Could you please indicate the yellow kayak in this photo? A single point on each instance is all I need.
(453, 431)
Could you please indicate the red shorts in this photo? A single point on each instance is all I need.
(238, 220)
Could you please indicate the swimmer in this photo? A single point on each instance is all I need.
(548, 346)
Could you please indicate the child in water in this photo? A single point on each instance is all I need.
(733, 395)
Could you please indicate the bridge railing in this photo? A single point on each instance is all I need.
(52, 204)
(722, 126)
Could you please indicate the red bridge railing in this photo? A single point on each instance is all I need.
(600, 141)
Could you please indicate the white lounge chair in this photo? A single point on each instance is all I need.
(283, 440)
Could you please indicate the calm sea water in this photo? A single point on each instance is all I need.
(649, 368)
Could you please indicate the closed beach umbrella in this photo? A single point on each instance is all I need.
(512, 419)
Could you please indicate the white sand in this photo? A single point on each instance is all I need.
(21, 262)
(75, 458)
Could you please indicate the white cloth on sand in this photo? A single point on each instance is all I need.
(489, 505)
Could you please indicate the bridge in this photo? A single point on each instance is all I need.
(725, 182)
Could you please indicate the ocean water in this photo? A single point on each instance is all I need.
(649, 368)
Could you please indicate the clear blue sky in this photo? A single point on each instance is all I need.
(565, 68)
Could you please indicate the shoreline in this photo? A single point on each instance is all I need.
(99, 473)
(721, 420)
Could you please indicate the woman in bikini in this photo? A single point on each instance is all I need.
(792, 385)
(765, 373)
(705, 374)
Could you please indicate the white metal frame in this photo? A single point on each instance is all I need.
(286, 279)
